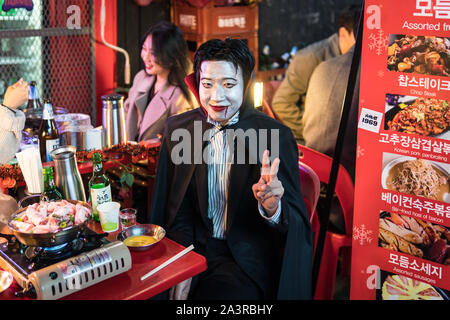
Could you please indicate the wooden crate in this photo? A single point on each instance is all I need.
(214, 20)
(201, 24)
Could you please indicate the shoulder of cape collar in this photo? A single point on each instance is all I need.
(190, 82)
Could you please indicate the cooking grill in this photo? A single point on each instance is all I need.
(53, 273)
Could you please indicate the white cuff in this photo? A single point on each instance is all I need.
(275, 219)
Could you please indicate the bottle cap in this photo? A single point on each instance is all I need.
(96, 156)
(47, 170)
(112, 97)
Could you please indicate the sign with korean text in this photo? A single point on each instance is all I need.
(401, 225)
(16, 4)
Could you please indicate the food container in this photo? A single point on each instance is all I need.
(152, 230)
(29, 200)
(72, 120)
(49, 239)
(72, 128)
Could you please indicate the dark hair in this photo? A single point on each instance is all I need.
(171, 52)
(235, 51)
(349, 18)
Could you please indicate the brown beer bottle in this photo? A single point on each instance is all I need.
(48, 132)
(33, 97)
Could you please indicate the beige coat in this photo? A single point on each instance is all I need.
(11, 126)
(288, 101)
(144, 121)
(8, 205)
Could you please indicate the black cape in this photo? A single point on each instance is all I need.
(278, 258)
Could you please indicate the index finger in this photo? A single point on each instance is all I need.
(265, 170)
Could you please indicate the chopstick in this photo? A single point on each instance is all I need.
(165, 264)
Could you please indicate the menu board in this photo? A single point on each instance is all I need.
(401, 225)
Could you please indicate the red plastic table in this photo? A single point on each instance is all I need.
(128, 285)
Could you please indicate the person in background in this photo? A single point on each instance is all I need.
(246, 217)
(288, 101)
(12, 120)
(321, 120)
(11, 126)
(8, 205)
(323, 106)
(159, 90)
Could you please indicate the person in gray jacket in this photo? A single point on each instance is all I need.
(323, 106)
(11, 126)
(13, 120)
(288, 101)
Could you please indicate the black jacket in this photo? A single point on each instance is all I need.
(278, 258)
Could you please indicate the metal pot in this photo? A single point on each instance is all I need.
(46, 240)
(29, 200)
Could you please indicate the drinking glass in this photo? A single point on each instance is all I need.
(127, 217)
(108, 213)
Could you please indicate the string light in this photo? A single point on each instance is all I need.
(258, 95)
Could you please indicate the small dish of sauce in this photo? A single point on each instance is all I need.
(139, 241)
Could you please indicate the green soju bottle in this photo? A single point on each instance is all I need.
(99, 186)
(50, 192)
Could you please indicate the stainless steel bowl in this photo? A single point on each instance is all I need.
(152, 230)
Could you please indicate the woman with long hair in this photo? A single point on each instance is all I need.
(159, 90)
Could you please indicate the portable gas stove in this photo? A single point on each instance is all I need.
(55, 272)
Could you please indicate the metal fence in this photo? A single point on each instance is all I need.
(53, 45)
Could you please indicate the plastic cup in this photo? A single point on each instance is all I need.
(108, 213)
(127, 217)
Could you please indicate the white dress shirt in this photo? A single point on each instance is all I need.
(219, 166)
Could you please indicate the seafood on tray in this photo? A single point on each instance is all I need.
(415, 237)
(50, 217)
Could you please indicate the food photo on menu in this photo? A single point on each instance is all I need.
(400, 287)
(415, 237)
(417, 115)
(428, 55)
(415, 176)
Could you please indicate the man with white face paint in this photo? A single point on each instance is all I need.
(248, 219)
